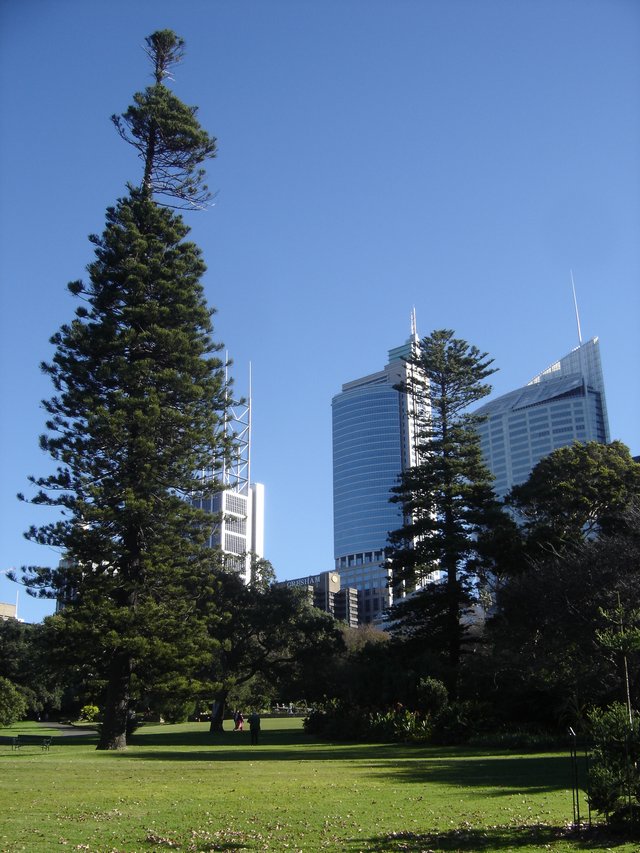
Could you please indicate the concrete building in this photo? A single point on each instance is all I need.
(239, 506)
(8, 611)
(563, 404)
(326, 593)
(373, 442)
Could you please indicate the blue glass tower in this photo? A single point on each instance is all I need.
(372, 445)
(563, 404)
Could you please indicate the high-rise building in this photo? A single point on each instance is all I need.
(239, 505)
(563, 404)
(372, 445)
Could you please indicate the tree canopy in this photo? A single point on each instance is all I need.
(576, 492)
(269, 630)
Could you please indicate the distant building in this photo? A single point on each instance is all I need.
(326, 593)
(373, 443)
(239, 506)
(563, 404)
(8, 611)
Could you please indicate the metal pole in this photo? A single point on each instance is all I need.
(575, 788)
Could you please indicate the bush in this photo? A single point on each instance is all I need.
(177, 710)
(89, 713)
(340, 721)
(13, 705)
(458, 722)
(433, 696)
(400, 725)
(614, 773)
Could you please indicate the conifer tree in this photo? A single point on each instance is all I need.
(446, 498)
(140, 397)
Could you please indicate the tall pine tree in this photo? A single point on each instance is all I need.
(139, 404)
(446, 498)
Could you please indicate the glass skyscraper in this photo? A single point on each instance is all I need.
(563, 404)
(372, 445)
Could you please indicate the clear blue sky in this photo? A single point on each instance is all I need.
(459, 156)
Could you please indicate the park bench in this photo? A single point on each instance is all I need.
(31, 740)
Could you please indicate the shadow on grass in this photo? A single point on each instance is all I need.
(493, 838)
(469, 768)
(535, 774)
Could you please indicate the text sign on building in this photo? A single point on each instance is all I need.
(312, 580)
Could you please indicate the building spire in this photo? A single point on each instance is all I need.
(414, 325)
(575, 304)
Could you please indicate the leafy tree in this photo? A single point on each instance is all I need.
(140, 400)
(13, 705)
(574, 493)
(269, 631)
(25, 661)
(552, 651)
(447, 499)
(622, 637)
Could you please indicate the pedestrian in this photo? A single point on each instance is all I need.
(254, 726)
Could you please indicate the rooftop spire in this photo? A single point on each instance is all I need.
(575, 303)
(414, 326)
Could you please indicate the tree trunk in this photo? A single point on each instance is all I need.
(217, 712)
(113, 732)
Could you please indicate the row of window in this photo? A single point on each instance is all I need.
(361, 559)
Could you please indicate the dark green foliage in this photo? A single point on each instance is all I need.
(166, 133)
(269, 631)
(451, 724)
(575, 493)
(432, 696)
(176, 710)
(614, 772)
(13, 705)
(25, 660)
(447, 499)
(139, 406)
(546, 663)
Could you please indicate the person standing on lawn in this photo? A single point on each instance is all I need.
(254, 726)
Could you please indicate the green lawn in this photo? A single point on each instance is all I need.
(180, 788)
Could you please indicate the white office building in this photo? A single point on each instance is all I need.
(563, 404)
(239, 505)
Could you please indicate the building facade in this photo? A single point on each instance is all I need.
(326, 592)
(563, 404)
(373, 443)
(8, 612)
(239, 505)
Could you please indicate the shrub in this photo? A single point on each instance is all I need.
(614, 773)
(89, 713)
(400, 725)
(458, 722)
(177, 710)
(433, 696)
(340, 721)
(13, 705)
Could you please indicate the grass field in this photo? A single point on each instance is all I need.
(180, 788)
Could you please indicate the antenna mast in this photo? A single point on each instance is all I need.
(575, 303)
